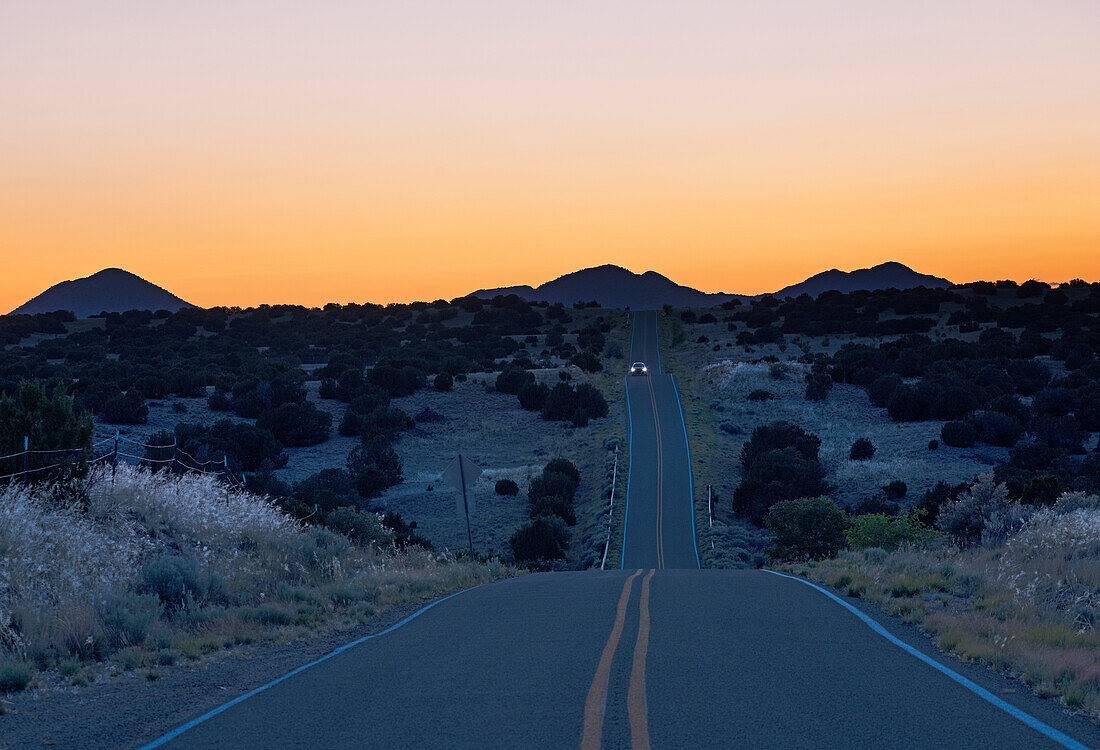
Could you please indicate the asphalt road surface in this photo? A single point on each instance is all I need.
(659, 519)
(658, 655)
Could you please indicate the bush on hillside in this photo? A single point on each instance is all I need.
(297, 424)
(374, 465)
(506, 487)
(861, 450)
(887, 532)
(982, 515)
(808, 528)
(542, 539)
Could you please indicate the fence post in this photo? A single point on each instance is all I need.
(26, 450)
(710, 508)
(225, 465)
(114, 460)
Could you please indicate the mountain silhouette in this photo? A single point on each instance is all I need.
(890, 275)
(110, 290)
(613, 286)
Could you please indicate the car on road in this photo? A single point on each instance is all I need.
(639, 368)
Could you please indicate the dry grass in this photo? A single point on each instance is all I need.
(1029, 607)
(150, 567)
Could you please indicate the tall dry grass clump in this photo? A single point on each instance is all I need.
(1020, 592)
(141, 568)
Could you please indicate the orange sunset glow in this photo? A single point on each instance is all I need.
(242, 153)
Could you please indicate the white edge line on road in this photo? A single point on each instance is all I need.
(1052, 733)
(691, 488)
(211, 714)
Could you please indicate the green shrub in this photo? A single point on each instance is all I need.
(886, 532)
(760, 395)
(14, 675)
(861, 450)
(809, 528)
(506, 487)
(958, 434)
(552, 484)
(550, 505)
(127, 618)
(132, 657)
(296, 424)
(896, 490)
(375, 466)
(443, 382)
(982, 515)
(180, 583)
(544, 538)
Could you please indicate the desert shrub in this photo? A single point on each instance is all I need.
(271, 386)
(14, 675)
(818, 387)
(180, 583)
(403, 380)
(895, 490)
(219, 401)
(1033, 455)
(544, 538)
(328, 490)
(958, 434)
(807, 528)
(738, 544)
(552, 484)
(506, 487)
(125, 408)
(443, 382)
(127, 618)
(887, 532)
(760, 395)
(532, 396)
(933, 444)
(587, 361)
(327, 389)
(361, 527)
(908, 404)
(564, 466)
(881, 389)
(995, 428)
(580, 417)
(983, 514)
(512, 378)
(861, 450)
(1043, 489)
(297, 424)
(954, 402)
(931, 502)
(551, 505)
(374, 465)
(779, 463)
(563, 400)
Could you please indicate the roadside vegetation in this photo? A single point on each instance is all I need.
(135, 570)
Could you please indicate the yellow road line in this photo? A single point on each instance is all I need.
(596, 702)
(636, 706)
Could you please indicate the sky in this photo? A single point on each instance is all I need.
(305, 152)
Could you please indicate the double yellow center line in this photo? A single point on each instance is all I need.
(595, 704)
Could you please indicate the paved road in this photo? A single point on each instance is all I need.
(639, 658)
(659, 523)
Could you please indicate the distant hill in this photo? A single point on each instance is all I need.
(111, 290)
(612, 286)
(884, 276)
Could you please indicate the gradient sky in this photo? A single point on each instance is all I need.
(240, 152)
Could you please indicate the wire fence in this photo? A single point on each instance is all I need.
(109, 450)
